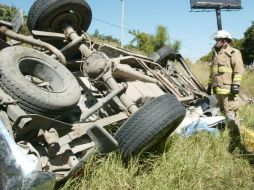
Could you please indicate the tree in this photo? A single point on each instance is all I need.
(148, 43)
(161, 37)
(247, 46)
(144, 41)
(207, 58)
(7, 13)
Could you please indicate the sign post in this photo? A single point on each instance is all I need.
(216, 5)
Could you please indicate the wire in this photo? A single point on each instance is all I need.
(114, 25)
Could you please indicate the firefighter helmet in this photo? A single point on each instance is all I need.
(222, 34)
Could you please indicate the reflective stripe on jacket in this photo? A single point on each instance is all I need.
(226, 69)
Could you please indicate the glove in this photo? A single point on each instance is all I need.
(235, 89)
(209, 89)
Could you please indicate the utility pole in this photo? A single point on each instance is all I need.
(122, 26)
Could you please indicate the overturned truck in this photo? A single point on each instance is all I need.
(64, 97)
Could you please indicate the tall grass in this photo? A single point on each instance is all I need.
(202, 71)
(198, 162)
(201, 161)
(247, 84)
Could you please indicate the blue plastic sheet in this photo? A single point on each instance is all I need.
(196, 127)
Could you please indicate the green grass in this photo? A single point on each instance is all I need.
(198, 162)
(246, 115)
(247, 84)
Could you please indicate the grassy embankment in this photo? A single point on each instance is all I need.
(198, 162)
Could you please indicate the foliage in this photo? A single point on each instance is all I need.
(103, 37)
(247, 46)
(144, 42)
(207, 58)
(160, 37)
(148, 43)
(7, 13)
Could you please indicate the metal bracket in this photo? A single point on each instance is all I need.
(37, 122)
(6, 102)
(102, 138)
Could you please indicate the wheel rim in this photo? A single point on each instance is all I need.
(66, 18)
(39, 74)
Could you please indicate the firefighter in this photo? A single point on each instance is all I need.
(224, 81)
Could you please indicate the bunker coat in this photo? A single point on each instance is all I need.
(226, 69)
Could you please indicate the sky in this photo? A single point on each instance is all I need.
(193, 29)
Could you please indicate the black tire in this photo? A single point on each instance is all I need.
(162, 55)
(149, 125)
(49, 15)
(61, 94)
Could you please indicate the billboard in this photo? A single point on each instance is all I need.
(215, 4)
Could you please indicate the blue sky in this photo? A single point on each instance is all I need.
(193, 29)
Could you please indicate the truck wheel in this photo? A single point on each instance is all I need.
(149, 125)
(39, 83)
(162, 55)
(50, 15)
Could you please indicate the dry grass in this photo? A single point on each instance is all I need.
(198, 162)
(201, 70)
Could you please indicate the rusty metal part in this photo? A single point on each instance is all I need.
(51, 136)
(13, 110)
(187, 69)
(43, 34)
(169, 85)
(125, 71)
(96, 64)
(142, 92)
(72, 34)
(5, 31)
(102, 122)
(108, 78)
(73, 43)
(100, 104)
